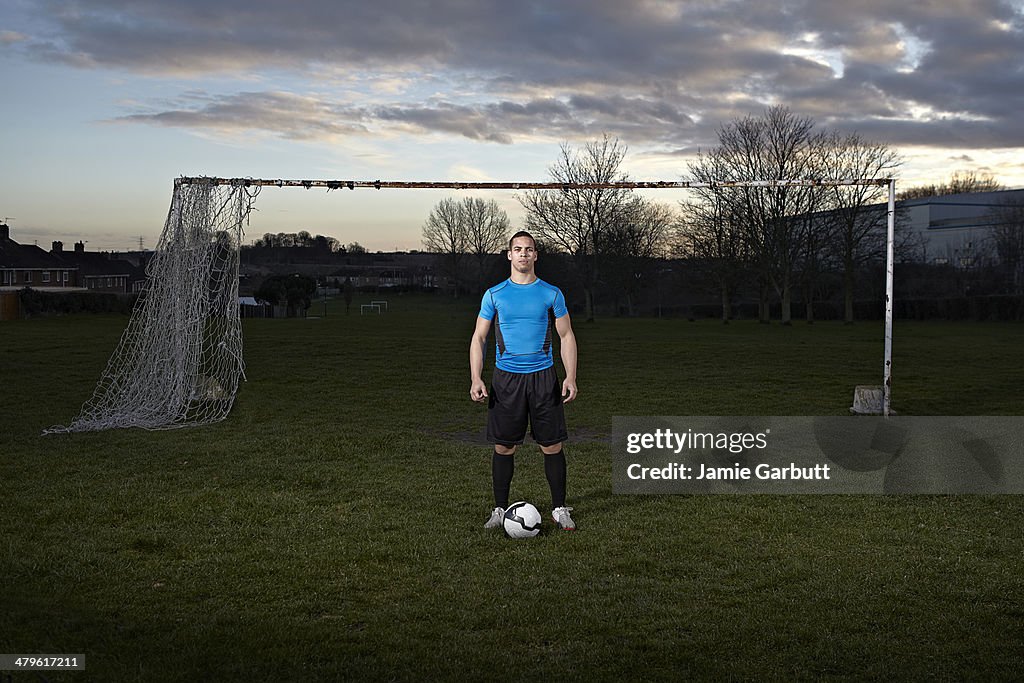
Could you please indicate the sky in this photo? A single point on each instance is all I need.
(105, 102)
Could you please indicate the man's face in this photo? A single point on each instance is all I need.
(523, 254)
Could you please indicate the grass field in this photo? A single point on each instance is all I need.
(330, 528)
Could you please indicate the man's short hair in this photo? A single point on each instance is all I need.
(521, 233)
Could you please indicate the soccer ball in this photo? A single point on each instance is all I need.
(521, 520)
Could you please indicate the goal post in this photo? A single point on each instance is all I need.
(179, 362)
(890, 242)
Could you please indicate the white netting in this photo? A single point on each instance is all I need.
(179, 362)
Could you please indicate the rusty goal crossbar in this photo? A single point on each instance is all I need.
(488, 185)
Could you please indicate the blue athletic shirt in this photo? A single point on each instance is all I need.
(523, 317)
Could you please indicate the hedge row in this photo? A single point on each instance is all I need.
(36, 302)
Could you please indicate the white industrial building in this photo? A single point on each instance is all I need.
(957, 228)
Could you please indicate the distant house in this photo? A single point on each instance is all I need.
(26, 265)
(391, 270)
(100, 272)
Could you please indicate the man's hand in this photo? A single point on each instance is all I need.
(569, 390)
(478, 391)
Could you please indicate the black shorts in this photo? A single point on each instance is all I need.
(520, 397)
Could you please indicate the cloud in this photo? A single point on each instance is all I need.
(658, 73)
(12, 37)
(285, 114)
(310, 118)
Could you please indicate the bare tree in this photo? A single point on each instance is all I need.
(575, 220)
(961, 182)
(486, 227)
(776, 146)
(814, 260)
(711, 231)
(636, 239)
(444, 233)
(1008, 239)
(857, 225)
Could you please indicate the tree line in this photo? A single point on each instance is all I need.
(304, 240)
(780, 242)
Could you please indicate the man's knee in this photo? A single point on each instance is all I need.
(552, 449)
(504, 450)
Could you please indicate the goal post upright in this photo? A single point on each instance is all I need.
(890, 240)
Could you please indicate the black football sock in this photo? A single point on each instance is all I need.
(554, 469)
(502, 469)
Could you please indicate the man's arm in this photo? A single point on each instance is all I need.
(568, 351)
(477, 388)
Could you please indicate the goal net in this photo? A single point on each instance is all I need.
(179, 361)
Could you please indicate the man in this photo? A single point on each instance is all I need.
(525, 386)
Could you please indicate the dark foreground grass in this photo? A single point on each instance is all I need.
(330, 528)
